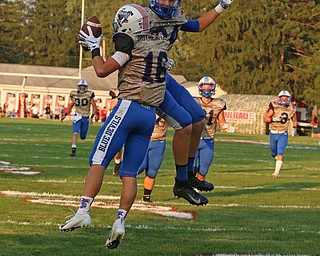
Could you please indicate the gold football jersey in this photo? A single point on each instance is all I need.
(142, 78)
(285, 112)
(160, 129)
(82, 102)
(212, 109)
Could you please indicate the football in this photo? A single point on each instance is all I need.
(96, 28)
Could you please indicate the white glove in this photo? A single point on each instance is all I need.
(169, 64)
(224, 4)
(89, 41)
(225, 127)
(276, 119)
(294, 130)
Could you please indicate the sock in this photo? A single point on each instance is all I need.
(148, 183)
(117, 161)
(181, 172)
(147, 192)
(278, 167)
(73, 146)
(85, 204)
(190, 164)
(201, 177)
(122, 214)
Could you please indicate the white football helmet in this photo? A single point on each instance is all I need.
(284, 93)
(82, 83)
(163, 10)
(206, 92)
(131, 18)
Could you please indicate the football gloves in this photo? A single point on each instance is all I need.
(276, 119)
(225, 127)
(224, 4)
(89, 41)
(294, 130)
(169, 64)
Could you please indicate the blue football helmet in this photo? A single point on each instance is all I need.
(206, 92)
(82, 86)
(287, 94)
(163, 10)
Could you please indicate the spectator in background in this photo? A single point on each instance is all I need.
(4, 109)
(34, 111)
(47, 111)
(103, 114)
(57, 112)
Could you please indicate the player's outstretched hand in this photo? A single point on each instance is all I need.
(89, 41)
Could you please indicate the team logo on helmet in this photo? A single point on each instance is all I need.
(287, 94)
(131, 18)
(82, 86)
(163, 10)
(206, 92)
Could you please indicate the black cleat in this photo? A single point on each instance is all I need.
(185, 191)
(201, 185)
(116, 169)
(73, 152)
(146, 198)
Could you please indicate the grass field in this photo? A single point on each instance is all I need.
(248, 212)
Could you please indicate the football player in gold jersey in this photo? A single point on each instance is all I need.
(279, 114)
(214, 108)
(82, 99)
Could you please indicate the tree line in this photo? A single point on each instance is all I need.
(257, 48)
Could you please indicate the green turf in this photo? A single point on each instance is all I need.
(248, 212)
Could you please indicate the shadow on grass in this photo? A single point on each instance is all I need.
(266, 189)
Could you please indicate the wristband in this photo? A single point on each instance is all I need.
(95, 52)
(219, 9)
(92, 116)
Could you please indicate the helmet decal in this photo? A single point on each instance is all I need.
(131, 18)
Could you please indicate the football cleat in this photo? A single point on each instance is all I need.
(146, 198)
(77, 221)
(116, 234)
(116, 170)
(73, 152)
(200, 185)
(274, 175)
(188, 193)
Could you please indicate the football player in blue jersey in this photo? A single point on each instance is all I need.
(82, 99)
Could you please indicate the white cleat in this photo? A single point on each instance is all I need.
(274, 175)
(77, 221)
(116, 234)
